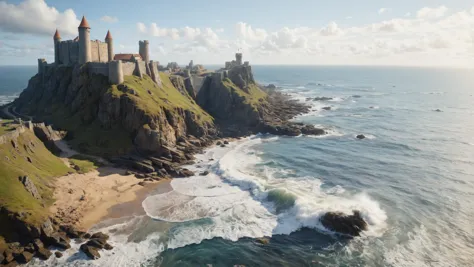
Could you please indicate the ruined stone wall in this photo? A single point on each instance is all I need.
(197, 82)
(140, 69)
(98, 68)
(128, 68)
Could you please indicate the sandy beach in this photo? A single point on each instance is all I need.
(85, 199)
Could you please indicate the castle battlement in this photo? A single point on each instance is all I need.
(100, 57)
(237, 62)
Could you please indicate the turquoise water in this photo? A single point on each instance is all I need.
(412, 178)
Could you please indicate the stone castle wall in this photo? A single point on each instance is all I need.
(99, 51)
(128, 68)
(98, 68)
(68, 52)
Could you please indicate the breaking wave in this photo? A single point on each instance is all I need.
(242, 197)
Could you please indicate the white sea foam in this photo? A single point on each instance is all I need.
(233, 201)
(5, 99)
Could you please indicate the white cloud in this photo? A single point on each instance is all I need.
(141, 28)
(331, 30)
(246, 32)
(431, 13)
(109, 19)
(36, 17)
(383, 10)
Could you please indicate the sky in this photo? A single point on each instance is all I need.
(438, 33)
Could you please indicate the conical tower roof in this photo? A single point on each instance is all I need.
(84, 23)
(56, 35)
(108, 36)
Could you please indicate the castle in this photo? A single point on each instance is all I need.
(99, 56)
(237, 62)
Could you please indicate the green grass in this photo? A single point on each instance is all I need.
(7, 126)
(167, 96)
(42, 171)
(254, 97)
(84, 164)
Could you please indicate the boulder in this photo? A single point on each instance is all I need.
(71, 232)
(271, 86)
(322, 98)
(342, 223)
(204, 173)
(58, 254)
(226, 142)
(186, 173)
(326, 108)
(360, 136)
(43, 253)
(38, 244)
(97, 243)
(91, 252)
(100, 235)
(24, 257)
(57, 240)
(311, 130)
(263, 240)
(107, 246)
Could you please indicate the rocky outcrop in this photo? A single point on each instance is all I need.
(236, 98)
(30, 187)
(339, 222)
(48, 136)
(102, 116)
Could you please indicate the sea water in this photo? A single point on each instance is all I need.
(412, 178)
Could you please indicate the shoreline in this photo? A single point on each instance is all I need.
(84, 200)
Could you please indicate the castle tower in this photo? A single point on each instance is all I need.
(110, 46)
(143, 50)
(57, 40)
(84, 41)
(238, 58)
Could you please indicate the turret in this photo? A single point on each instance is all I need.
(110, 46)
(238, 58)
(57, 40)
(143, 50)
(84, 42)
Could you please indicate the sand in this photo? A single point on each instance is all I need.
(85, 199)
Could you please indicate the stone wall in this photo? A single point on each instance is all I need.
(68, 52)
(197, 82)
(98, 68)
(99, 51)
(140, 69)
(128, 68)
(13, 135)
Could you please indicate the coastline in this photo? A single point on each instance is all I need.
(84, 200)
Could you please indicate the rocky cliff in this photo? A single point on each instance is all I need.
(233, 97)
(111, 120)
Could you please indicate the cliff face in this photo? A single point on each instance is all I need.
(27, 171)
(233, 97)
(112, 120)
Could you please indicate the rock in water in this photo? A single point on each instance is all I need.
(263, 240)
(311, 130)
(91, 252)
(345, 224)
(322, 98)
(360, 136)
(43, 253)
(326, 108)
(58, 254)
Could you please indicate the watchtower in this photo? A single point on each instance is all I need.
(110, 46)
(84, 41)
(57, 40)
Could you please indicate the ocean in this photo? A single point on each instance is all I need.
(412, 178)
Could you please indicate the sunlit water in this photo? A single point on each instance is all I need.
(412, 178)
